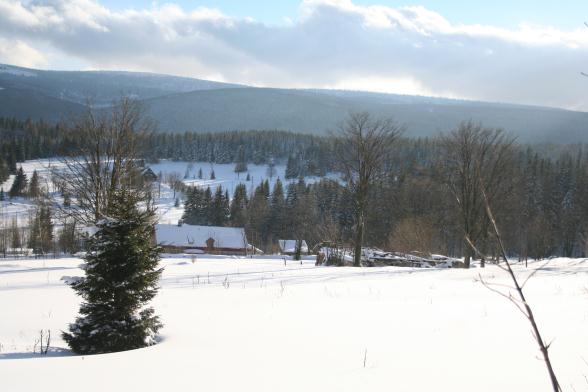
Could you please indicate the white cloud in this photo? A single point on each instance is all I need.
(333, 43)
(19, 53)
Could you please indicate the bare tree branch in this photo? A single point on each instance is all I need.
(526, 308)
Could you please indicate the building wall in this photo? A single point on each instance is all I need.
(215, 251)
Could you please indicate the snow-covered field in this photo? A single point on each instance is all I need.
(224, 173)
(235, 324)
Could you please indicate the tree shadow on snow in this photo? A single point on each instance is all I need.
(51, 353)
(41, 269)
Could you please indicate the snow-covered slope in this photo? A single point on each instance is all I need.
(235, 324)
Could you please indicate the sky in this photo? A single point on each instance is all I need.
(503, 13)
(528, 52)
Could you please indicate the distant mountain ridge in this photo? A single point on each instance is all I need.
(179, 104)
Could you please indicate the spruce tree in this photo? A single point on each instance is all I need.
(218, 214)
(4, 170)
(238, 209)
(121, 278)
(258, 214)
(191, 206)
(34, 189)
(2, 196)
(226, 207)
(292, 170)
(19, 185)
(207, 210)
(278, 209)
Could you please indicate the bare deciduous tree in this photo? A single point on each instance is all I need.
(466, 151)
(106, 159)
(175, 182)
(416, 234)
(363, 145)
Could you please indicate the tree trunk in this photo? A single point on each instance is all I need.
(298, 250)
(467, 256)
(358, 241)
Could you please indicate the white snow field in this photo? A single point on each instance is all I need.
(236, 324)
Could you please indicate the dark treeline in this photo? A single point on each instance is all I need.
(544, 212)
(306, 154)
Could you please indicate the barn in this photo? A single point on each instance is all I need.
(201, 239)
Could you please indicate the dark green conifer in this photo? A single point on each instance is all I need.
(121, 278)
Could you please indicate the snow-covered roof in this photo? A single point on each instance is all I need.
(190, 236)
(289, 246)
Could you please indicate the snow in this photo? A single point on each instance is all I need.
(234, 323)
(289, 246)
(6, 185)
(18, 209)
(225, 174)
(191, 236)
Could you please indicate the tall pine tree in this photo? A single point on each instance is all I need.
(238, 209)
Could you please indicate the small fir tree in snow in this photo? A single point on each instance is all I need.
(200, 173)
(212, 175)
(121, 278)
(2, 196)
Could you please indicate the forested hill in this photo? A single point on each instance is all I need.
(184, 104)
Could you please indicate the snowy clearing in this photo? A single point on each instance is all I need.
(257, 325)
(226, 177)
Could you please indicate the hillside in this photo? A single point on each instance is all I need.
(184, 104)
(318, 112)
(101, 87)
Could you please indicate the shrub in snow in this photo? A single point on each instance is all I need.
(121, 278)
